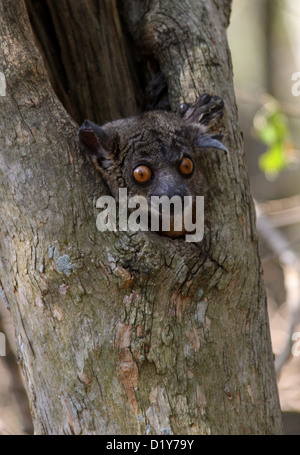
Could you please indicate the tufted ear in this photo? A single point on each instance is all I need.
(98, 142)
(199, 139)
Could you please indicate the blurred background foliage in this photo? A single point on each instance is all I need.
(264, 38)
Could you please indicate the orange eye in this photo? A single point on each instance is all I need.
(186, 166)
(142, 174)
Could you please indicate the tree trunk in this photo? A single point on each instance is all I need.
(121, 334)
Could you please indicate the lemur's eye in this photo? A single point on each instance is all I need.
(186, 166)
(142, 174)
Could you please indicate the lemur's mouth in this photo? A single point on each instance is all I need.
(175, 222)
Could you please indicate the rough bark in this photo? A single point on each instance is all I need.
(122, 333)
(87, 57)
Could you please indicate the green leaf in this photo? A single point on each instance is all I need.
(273, 160)
(272, 129)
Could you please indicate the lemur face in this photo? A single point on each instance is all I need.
(154, 154)
(162, 163)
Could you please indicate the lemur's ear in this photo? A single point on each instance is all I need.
(199, 139)
(98, 142)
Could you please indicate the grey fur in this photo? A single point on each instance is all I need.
(157, 139)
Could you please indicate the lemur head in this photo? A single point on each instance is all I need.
(153, 154)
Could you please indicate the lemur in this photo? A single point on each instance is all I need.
(155, 153)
